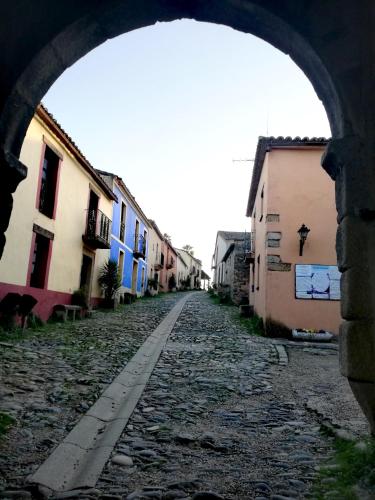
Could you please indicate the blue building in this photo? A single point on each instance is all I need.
(129, 238)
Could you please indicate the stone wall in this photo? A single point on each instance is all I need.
(240, 276)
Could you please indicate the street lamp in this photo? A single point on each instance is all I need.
(303, 231)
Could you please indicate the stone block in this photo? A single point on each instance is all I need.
(355, 242)
(356, 299)
(247, 311)
(274, 259)
(357, 350)
(281, 266)
(365, 395)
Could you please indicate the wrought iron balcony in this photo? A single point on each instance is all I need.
(139, 246)
(98, 230)
(170, 264)
(158, 263)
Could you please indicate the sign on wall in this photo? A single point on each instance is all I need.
(314, 281)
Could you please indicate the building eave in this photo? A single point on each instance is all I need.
(126, 191)
(266, 144)
(51, 123)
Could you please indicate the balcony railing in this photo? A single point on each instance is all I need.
(98, 230)
(158, 264)
(139, 246)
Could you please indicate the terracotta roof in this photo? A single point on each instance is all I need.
(266, 144)
(50, 121)
(180, 256)
(204, 276)
(188, 253)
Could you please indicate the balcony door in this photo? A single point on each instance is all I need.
(92, 213)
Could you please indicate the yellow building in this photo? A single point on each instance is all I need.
(59, 232)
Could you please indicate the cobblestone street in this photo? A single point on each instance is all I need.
(220, 414)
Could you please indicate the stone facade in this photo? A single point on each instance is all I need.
(231, 267)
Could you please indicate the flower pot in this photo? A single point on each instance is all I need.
(322, 336)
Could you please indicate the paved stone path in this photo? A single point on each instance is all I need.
(220, 417)
(49, 379)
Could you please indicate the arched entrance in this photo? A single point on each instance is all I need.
(330, 41)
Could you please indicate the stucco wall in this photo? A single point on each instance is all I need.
(258, 296)
(68, 226)
(299, 191)
(155, 248)
(131, 216)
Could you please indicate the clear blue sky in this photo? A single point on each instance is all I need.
(170, 106)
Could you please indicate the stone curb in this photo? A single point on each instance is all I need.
(78, 460)
(282, 354)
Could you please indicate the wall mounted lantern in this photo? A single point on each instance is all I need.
(303, 231)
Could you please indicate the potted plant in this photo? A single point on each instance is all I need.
(152, 286)
(312, 334)
(110, 281)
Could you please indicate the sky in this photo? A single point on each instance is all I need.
(169, 107)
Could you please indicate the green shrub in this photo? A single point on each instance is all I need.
(34, 321)
(254, 325)
(110, 281)
(352, 471)
(6, 421)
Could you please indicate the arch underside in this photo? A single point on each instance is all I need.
(112, 18)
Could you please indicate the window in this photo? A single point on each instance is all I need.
(136, 235)
(39, 261)
(162, 259)
(122, 221)
(144, 242)
(261, 203)
(258, 273)
(48, 182)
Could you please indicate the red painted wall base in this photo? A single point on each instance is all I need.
(47, 299)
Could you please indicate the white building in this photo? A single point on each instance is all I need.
(194, 268)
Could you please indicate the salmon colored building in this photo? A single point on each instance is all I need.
(289, 188)
(170, 265)
(59, 232)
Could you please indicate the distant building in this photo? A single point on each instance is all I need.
(182, 271)
(170, 266)
(129, 238)
(194, 268)
(290, 188)
(231, 265)
(155, 254)
(59, 232)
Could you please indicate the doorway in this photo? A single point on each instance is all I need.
(134, 277)
(86, 276)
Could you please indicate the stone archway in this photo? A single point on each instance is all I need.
(332, 42)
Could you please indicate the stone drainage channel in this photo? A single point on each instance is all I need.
(78, 461)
